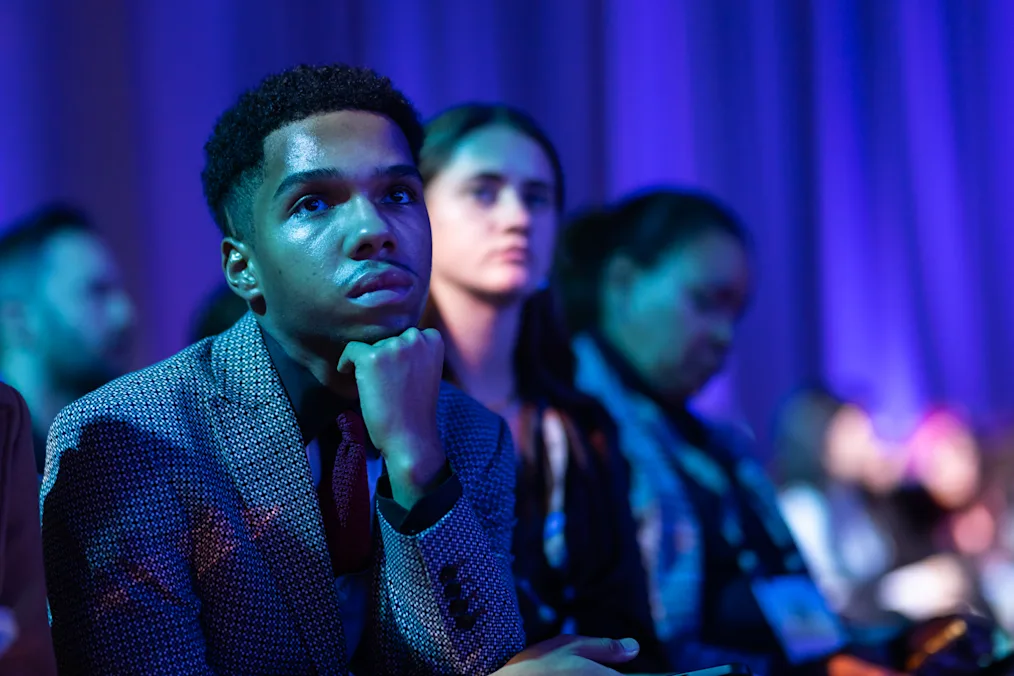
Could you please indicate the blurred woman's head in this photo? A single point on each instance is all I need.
(664, 279)
(494, 190)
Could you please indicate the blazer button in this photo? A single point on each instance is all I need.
(465, 622)
(448, 573)
(459, 608)
(452, 590)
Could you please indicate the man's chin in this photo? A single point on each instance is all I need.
(374, 333)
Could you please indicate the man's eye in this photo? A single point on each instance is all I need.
(311, 205)
(400, 196)
(706, 302)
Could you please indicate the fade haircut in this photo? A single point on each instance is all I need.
(234, 154)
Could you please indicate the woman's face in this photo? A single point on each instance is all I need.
(674, 321)
(494, 215)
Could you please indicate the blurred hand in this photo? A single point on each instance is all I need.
(961, 641)
(846, 665)
(571, 656)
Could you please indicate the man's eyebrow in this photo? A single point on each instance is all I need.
(335, 174)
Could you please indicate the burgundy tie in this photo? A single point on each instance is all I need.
(344, 494)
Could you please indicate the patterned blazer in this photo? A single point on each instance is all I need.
(182, 534)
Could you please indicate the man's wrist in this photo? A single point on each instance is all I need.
(426, 513)
(415, 468)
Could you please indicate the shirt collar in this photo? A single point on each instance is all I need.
(315, 405)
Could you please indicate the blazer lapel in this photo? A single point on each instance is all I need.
(262, 446)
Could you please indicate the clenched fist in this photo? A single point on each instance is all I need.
(399, 382)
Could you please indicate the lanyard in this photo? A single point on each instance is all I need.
(554, 436)
(708, 471)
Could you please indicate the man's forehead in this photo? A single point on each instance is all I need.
(347, 139)
(70, 242)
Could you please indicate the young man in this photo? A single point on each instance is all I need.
(65, 318)
(300, 494)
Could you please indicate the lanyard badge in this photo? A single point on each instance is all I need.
(793, 606)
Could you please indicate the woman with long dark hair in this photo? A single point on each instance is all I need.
(494, 190)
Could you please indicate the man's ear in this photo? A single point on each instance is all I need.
(240, 269)
(616, 286)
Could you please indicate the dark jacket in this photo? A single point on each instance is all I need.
(602, 589)
(22, 579)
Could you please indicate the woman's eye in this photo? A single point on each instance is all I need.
(484, 194)
(538, 200)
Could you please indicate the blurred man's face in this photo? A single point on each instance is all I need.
(80, 318)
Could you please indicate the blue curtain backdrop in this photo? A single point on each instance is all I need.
(867, 143)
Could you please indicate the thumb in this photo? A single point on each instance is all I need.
(605, 650)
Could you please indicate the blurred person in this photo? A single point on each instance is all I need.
(822, 447)
(996, 561)
(299, 494)
(885, 527)
(26, 648)
(218, 313)
(494, 190)
(65, 318)
(655, 289)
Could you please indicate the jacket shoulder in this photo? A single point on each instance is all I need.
(143, 398)
(471, 434)
(10, 398)
(463, 413)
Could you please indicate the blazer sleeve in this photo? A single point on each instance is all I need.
(22, 578)
(446, 595)
(114, 537)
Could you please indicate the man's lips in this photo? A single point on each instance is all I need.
(390, 279)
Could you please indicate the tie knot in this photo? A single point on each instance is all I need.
(350, 424)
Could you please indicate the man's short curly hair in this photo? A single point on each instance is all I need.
(234, 154)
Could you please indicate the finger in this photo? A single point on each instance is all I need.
(541, 648)
(435, 341)
(605, 650)
(353, 352)
(432, 336)
(411, 335)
